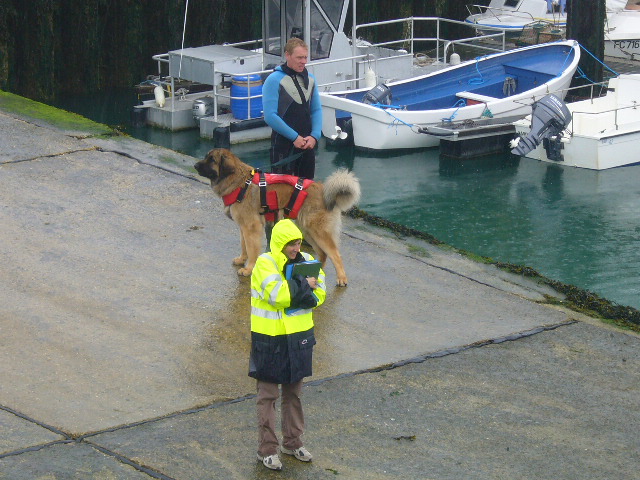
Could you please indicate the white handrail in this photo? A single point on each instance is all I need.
(615, 111)
(437, 39)
(441, 46)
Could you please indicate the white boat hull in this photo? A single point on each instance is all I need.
(502, 15)
(622, 34)
(625, 48)
(377, 129)
(594, 153)
(604, 132)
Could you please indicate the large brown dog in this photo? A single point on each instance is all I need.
(319, 218)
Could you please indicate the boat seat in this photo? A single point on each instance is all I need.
(547, 73)
(476, 97)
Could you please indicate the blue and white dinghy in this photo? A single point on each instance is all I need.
(500, 86)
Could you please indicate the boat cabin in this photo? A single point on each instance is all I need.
(336, 60)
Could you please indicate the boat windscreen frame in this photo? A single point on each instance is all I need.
(315, 21)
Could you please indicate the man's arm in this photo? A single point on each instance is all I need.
(316, 113)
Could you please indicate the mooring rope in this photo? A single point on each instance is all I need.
(459, 104)
(584, 75)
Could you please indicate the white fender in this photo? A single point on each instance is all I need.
(159, 94)
(454, 59)
(370, 80)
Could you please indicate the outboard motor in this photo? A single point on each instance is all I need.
(380, 94)
(549, 116)
(203, 107)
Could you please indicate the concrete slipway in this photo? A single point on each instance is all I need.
(124, 341)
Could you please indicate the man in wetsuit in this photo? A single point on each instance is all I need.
(292, 109)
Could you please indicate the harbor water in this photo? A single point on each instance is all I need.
(576, 226)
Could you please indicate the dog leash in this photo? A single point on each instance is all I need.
(286, 160)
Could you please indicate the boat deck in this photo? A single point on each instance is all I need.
(239, 131)
(177, 115)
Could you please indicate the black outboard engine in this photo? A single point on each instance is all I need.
(549, 116)
(380, 94)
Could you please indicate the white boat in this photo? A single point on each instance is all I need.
(501, 86)
(513, 15)
(603, 133)
(622, 29)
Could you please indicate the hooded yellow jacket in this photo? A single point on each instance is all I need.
(281, 343)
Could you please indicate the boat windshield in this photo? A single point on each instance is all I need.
(622, 4)
(324, 18)
(271, 24)
(321, 31)
(292, 24)
(333, 10)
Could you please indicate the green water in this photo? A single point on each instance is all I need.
(577, 226)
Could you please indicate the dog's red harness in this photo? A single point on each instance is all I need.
(269, 199)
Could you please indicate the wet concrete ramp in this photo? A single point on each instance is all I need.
(121, 304)
(124, 337)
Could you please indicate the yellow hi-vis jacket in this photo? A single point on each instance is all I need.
(281, 343)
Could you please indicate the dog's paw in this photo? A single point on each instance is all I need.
(342, 282)
(245, 272)
(239, 260)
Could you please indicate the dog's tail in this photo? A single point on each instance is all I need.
(341, 190)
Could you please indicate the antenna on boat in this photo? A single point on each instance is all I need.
(353, 28)
(184, 29)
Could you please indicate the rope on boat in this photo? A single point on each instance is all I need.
(477, 81)
(396, 121)
(383, 106)
(584, 75)
(459, 104)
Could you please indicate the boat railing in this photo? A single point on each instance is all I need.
(594, 94)
(406, 47)
(223, 93)
(167, 83)
(354, 58)
(161, 58)
(615, 111)
(478, 9)
(252, 44)
(442, 45)
(497, 11)
(464, 41)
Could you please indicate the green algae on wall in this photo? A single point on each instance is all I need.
(51, 115)
(51, 47)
